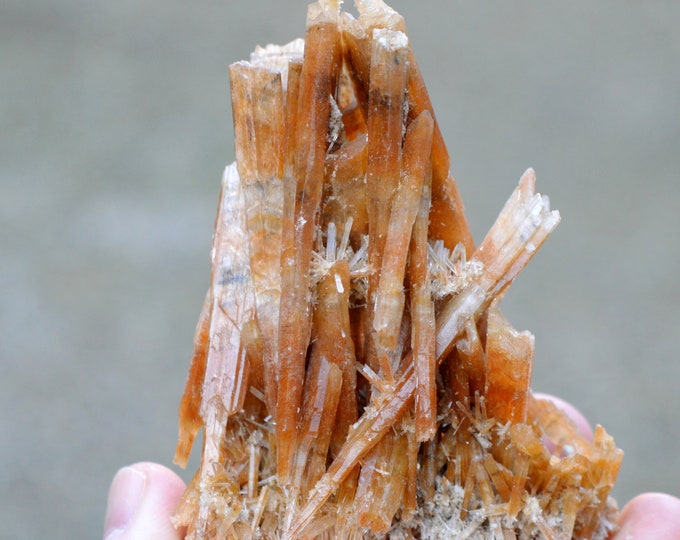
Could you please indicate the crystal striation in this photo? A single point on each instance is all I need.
(352, 371)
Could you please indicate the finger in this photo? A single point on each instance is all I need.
(141, 499)
(650, 516)
(572, 412)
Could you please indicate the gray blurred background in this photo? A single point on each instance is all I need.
(116, 124)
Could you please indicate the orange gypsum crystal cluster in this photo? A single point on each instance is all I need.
(352, 371)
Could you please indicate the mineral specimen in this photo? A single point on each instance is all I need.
(352, 371)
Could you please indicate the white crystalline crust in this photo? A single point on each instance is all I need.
(390, 39)
(440, 519)
(379, 11)
(277, 57)
(275, 53)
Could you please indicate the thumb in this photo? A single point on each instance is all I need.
(650, 516)
(141, 499)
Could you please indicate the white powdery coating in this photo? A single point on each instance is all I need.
(277, 57)
(441, 519)
(378, 13)
(391, 40)
(335, 125)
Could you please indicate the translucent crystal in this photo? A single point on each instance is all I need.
(352, 370)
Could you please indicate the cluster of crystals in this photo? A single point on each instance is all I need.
(352, 372)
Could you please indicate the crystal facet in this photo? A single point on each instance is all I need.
(352, 371)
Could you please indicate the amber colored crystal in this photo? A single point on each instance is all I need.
(352, 371)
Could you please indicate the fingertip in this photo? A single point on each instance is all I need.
(142, 498)
(162, 477)
(125, 497)
(572, 412)
(650, 516)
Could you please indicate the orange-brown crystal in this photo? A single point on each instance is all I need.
(352, 370)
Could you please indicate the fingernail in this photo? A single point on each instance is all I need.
(125, 494)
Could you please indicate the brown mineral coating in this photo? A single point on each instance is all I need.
(386, 100)
(389, 297)
(258, 111)
(366, 433)
(472, 301)
(423, 319)
(509, 360)
(333, 341)
(472, 359)
(190, 422)
(317, 83)
(350, 100)
(382, 483)
(320, 401)
(409, 502)
(288, 216)
(345, 196)
(447, 215)
(424, 359)
(441, 435)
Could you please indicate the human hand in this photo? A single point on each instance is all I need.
(143, 496)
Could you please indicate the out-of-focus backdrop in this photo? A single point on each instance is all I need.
(116, 125)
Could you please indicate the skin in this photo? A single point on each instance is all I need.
(143, 496)
(141, 499)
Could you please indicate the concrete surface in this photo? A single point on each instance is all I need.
(116, 125)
